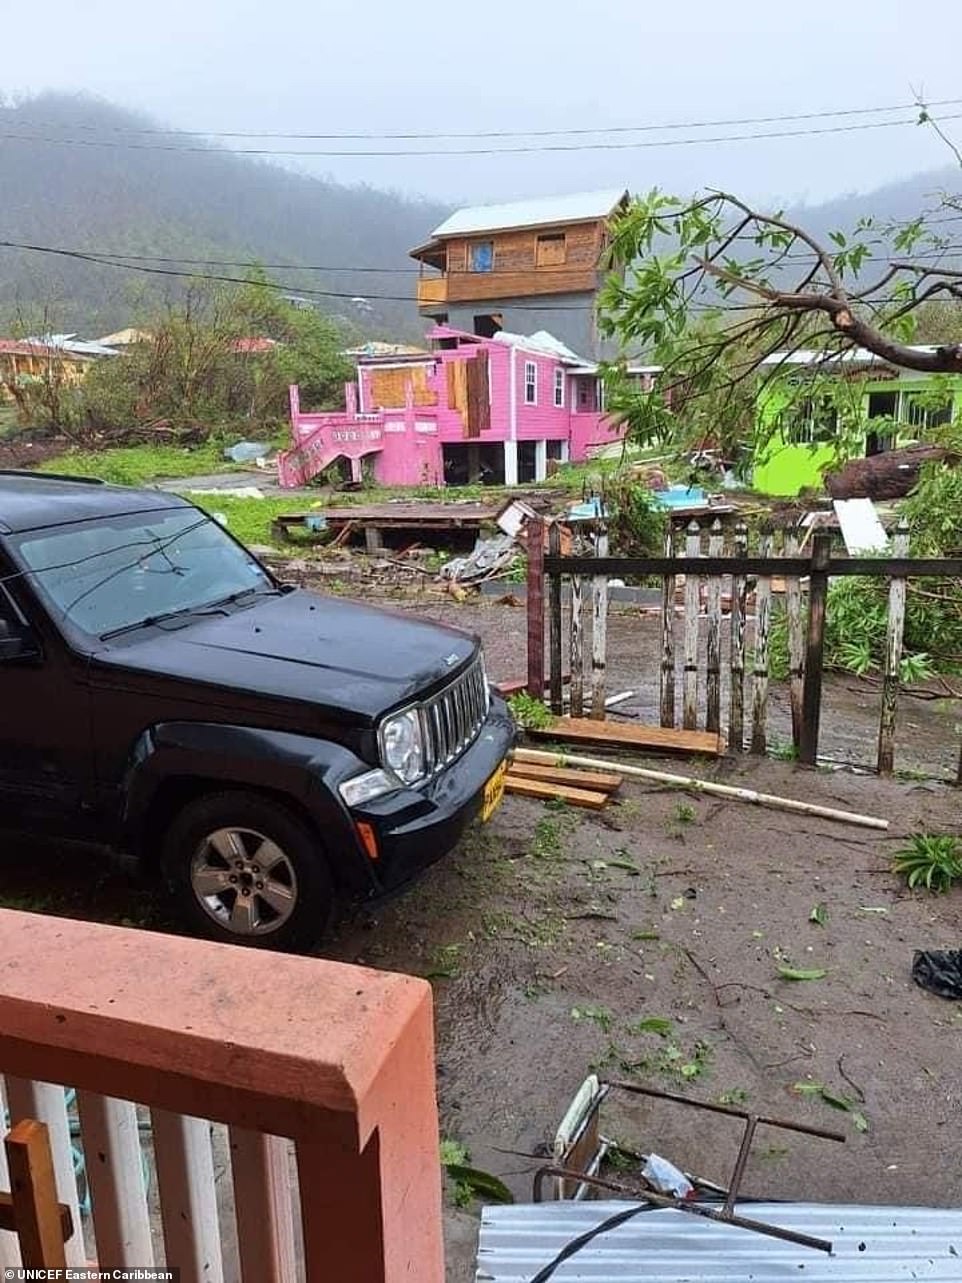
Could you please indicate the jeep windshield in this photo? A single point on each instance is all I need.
(108, 575)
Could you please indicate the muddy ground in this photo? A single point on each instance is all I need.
(550, 934)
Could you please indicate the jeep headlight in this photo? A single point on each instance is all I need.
(402, 745)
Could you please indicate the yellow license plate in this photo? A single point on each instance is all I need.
(493, 792)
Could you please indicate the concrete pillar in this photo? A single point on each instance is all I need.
(511, 463)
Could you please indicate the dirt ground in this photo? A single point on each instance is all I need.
(551, 933)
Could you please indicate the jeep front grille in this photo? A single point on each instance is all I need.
(453, 718)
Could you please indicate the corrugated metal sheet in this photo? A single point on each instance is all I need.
(577, 207)
(871, 1245)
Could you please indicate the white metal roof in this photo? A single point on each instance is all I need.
(575, 208)
(540, 342)
(871, 1245)
(853, 356)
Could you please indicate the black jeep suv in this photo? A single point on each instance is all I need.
(268, 748)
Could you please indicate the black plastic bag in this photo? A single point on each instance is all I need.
(939, 971)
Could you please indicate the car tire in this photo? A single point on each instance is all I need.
(243, 869)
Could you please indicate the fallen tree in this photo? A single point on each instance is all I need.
(893, 474)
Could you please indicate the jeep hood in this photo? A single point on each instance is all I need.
(351, 660)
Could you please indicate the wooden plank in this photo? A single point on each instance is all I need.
(689, 688)
(669, 586)
(188, 1198)
(46, 1102)
(260, 1167)
(534, 541)
(33, 1196)
(594, 781)
(554, 623)
(584, 730)
(9, 1246)
(736, 659)
(911, 567)
(599, 633)
(110, 1130)
(763, 621)
(576, 698)
(812, 692)
(716, 546)
(893, 657)
(796, 641)
(538, 789)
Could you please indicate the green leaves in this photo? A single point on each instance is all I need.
(659, 1025)
(834, 1099)
(819, 915)
(800, 973)
(932, 861)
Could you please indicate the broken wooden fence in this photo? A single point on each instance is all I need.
(710, 561)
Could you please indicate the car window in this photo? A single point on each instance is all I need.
(109, 574)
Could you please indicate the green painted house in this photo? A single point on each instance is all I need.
(814, 414)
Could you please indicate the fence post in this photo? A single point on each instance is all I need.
(812, 690)
(668, 586)
(716, 547)
(796, 641)
(554, 622)
(736, 715)
(689, 690)
(534, 536)
(763, 621)
(576, 701)
(599, 630)
(893, 656)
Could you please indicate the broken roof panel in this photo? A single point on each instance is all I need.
(871, 1245)
(578, 207)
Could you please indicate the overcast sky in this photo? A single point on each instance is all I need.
(377, 66)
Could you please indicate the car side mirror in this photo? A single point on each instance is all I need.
(17, 642)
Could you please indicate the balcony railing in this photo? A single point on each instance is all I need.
(431, 290)
(267, 1123)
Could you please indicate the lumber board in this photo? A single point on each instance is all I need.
(583, 730)
(594, 781)
(538, 788)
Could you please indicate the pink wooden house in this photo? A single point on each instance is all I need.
(494, 410)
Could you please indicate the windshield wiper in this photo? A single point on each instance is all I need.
(207, 608)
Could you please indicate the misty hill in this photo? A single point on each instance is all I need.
(198, 204)
(157, 198)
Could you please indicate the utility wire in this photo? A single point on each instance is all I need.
(504, 133)
(477, 151)
(341, 294)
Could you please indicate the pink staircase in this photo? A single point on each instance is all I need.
(322, 438)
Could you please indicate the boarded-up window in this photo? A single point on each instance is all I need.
(551, 249)
(387, 388)
(469, 394)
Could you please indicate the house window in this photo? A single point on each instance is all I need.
(530, 383)
(556, 451)
(559, 387)
(481, 256)
(550, 250)
(809, 422)
(920, 411)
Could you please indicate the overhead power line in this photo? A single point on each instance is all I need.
(430, 135)
(478, 151)
(307, 290)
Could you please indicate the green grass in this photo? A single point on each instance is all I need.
(140, 464)
(248, 520)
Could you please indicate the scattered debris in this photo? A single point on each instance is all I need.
(893, 474)
(247, 451)
(489, 558)
(939, 971)
(704, 786)
(585, 730)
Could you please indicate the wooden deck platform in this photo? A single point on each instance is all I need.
(373, 518)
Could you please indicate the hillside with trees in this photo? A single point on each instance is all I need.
(89, 194)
